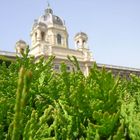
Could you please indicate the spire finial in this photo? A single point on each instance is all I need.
(48, 10)
(48, 4)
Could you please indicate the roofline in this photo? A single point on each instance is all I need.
(118, 67)
(13, 54)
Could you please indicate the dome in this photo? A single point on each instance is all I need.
(20, 46)
(57, 20)
(81, 34)
(21, 42)
(49, 18)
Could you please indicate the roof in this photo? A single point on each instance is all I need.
(81, 33)
(13, 55)
(21, 41)
(48, 18)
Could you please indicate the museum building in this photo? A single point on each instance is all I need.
(49, 36)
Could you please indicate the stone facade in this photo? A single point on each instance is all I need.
(49, 37)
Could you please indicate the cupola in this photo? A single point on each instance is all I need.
(48, 10)
(81, 39)
(20, 46)
(48, 30)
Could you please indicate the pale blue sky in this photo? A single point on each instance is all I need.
(113, 26)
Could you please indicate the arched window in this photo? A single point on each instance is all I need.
(35, 36)
(59, 39)
(84, 41)
(77, 43)
(22, 50)
(42, 36)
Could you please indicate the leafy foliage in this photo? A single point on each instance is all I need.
(41, 104)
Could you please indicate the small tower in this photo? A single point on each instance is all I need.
(81, 41)
(48, 30)
(81, 45)
(38, 34)
(20, 46)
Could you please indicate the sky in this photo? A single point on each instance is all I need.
(112, 26)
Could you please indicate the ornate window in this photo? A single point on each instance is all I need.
(42, 36)
(68, 68)
(84, 41)
(59, 39)
(77, 43)
(56, 67)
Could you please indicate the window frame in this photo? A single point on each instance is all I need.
(59, 39)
